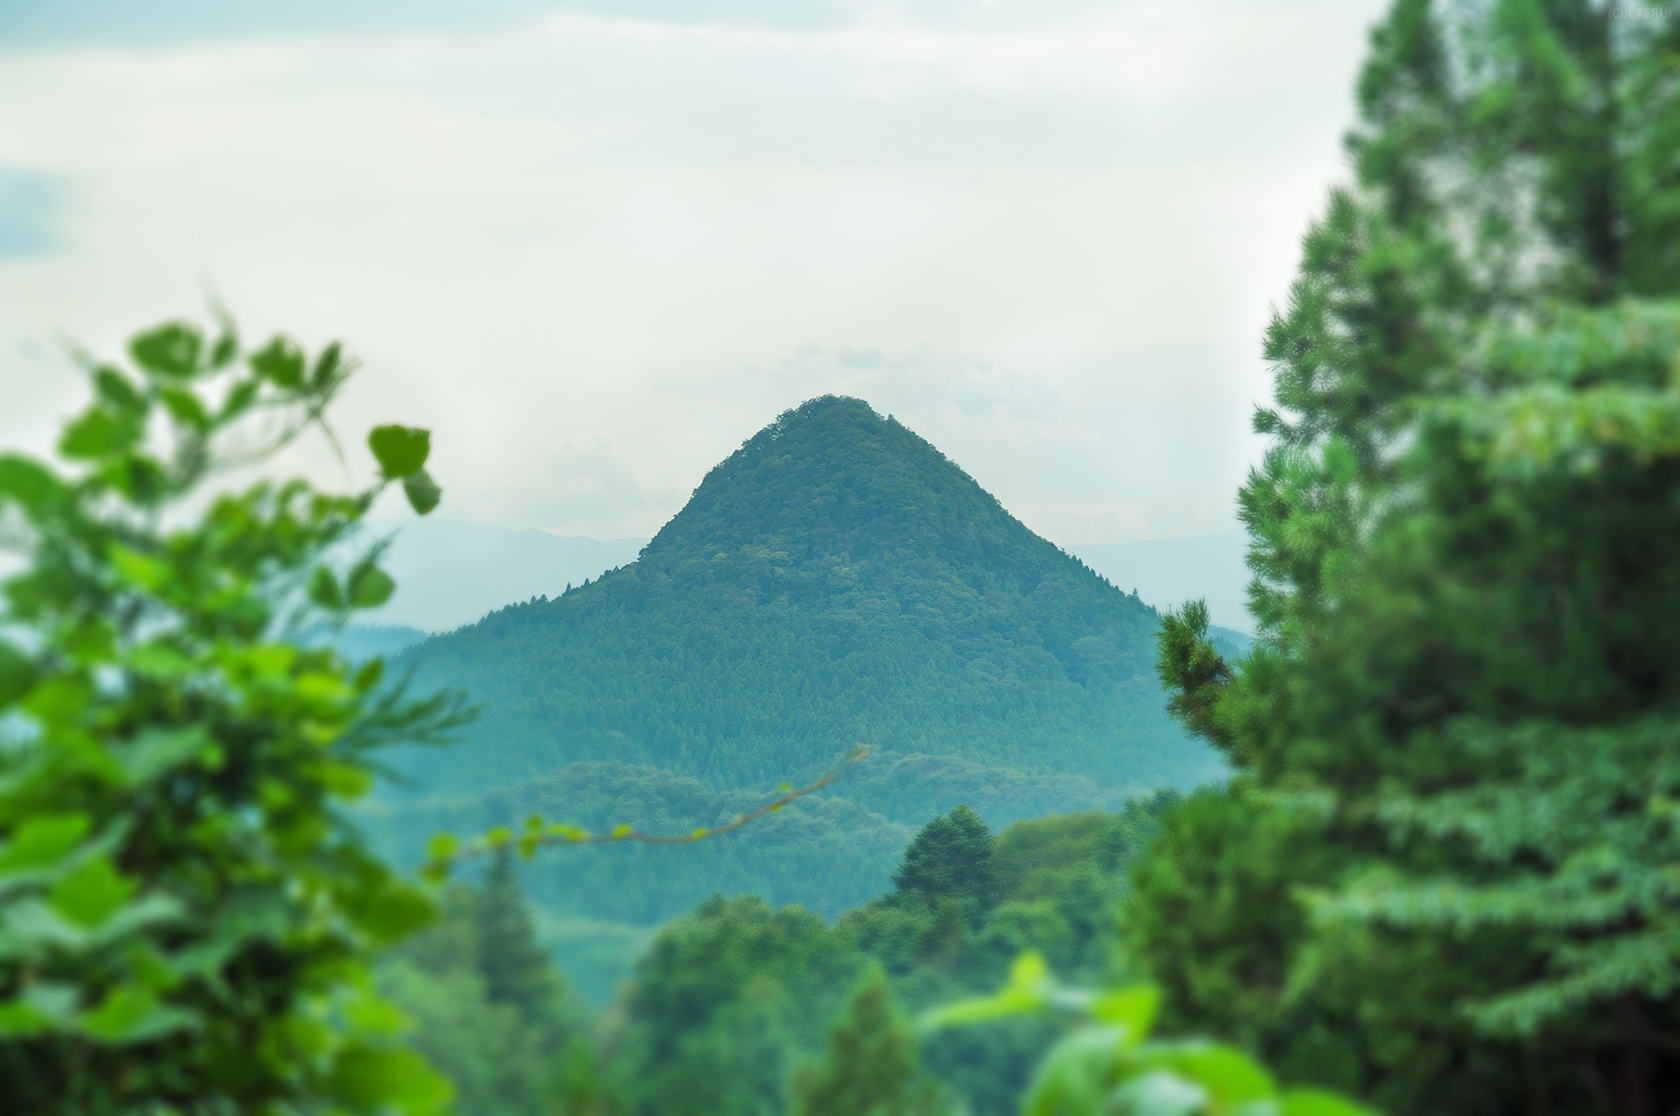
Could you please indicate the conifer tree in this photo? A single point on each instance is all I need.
(515, 969)
(1444, 876)
(951, 857)
(871, 1067)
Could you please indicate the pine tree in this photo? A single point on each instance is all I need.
(871, 1067)
(514, 967)
(1445, 875)
(951, 857)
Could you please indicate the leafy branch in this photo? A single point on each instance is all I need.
(445, 850)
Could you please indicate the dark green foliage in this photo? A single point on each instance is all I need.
(871, 1066)
(516, 972)
(1444, 875)
(951, 858)
(186, 921)
(738, 981)
(835, 581)
(488, 1007)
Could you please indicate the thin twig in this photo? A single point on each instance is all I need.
(568, 835)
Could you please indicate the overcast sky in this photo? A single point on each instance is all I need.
(596, 247)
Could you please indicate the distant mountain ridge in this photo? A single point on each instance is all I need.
(836, 580)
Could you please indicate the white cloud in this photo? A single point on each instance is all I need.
(596, 253)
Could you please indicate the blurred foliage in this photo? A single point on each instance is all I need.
(185, 920)
(1445, 876)
(749, 991)
(489, 1009)
(1108, 1065)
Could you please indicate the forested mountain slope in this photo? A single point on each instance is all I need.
(835, 581)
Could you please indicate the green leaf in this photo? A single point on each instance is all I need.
(186, 408)
(17, 673)
(370, 586)
(92, 893)
(226, 347)
(239, 400)
(423, 492)
(280, 362)
(1157, 1093)
(42, 840)
(1026, 993)
(97, 432)
(1229, 1076)
(143, 571)
(1075, 1076)
(400, 450)
(374, 1078)
(171, 349)
(443, 846)
(1132, 1008)
(32, 485)
(328, 364)
(324, 590)
(1317, 1102)
(117, 391)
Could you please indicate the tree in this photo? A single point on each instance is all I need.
(871, 1067)
(949, 858)
(1454, 741)
(516, 971)
(185, 918)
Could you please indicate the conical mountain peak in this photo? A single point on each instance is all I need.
(832, 484)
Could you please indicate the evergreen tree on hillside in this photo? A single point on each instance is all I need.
(951, 858)
(1443, 877)
(871, 1067)
(515, 969)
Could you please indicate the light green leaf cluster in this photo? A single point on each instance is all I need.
(184, 920)
(1108, 1064)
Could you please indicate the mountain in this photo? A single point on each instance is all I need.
(837, 580)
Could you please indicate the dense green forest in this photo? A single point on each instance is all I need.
(835, 581)
(729, 1000)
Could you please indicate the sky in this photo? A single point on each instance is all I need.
(596, 246)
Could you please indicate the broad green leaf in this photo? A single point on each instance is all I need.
(370, 586)
(1229, 1076)
(92, 893)
(1316, 1102)
(159, 661)
(1132, 1008)
(280, 362)
(423, 492)
(324, 590)
(1026, 993)
(117, 391)
(400, 450)
(171, 349)
(226, 347)
(239, 400)
(29, 483)
(17, 673)
(376, 1078)
(94, 434)
(1076, 1075)
(143, 571)
(43, 840)
(186, 407)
